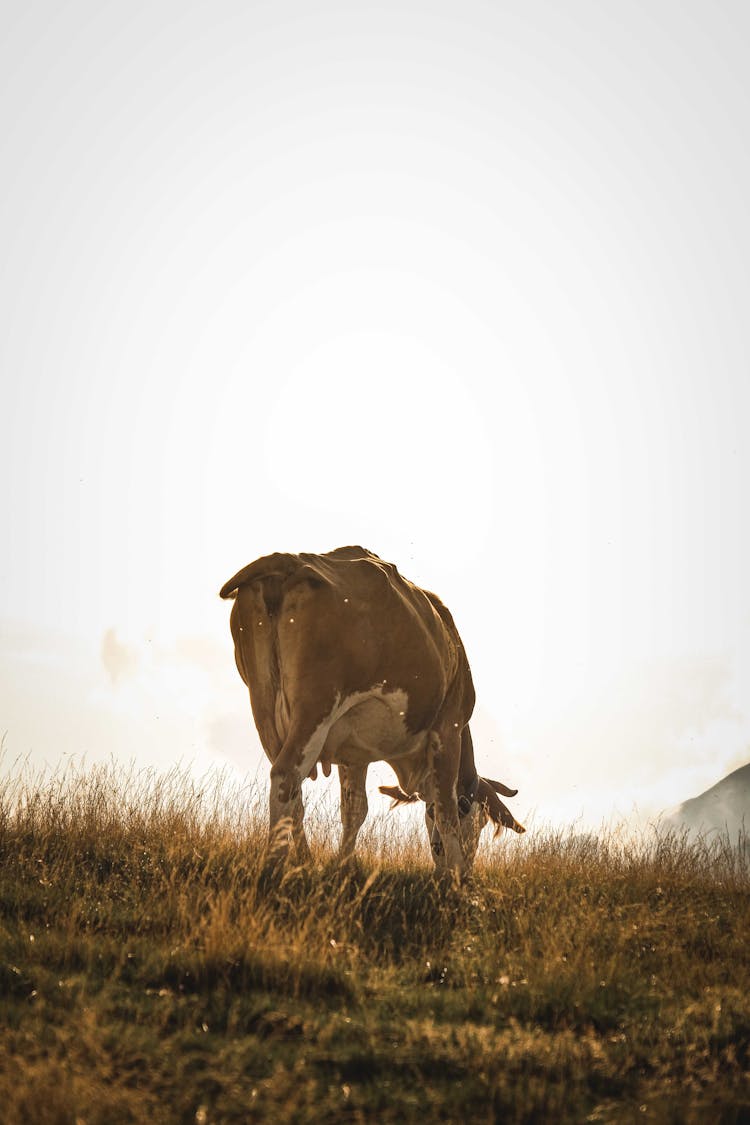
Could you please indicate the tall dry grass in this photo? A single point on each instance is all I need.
(153, 966)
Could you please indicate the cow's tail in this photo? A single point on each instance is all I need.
(499, 814)
(270, 566)
(398, 796)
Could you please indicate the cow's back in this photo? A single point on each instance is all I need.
(313, 629)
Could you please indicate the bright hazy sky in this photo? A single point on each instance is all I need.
(465, 283)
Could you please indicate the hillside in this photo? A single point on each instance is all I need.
(154, 968)
(725, 807)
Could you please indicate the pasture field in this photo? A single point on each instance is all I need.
(154, 969)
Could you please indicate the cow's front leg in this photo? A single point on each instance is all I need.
(445, 834)
(436, 844)
(353, 806)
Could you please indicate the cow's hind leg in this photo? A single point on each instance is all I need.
(301, 846)
(286, 809)
(299, 753)
(288, 823)
(282, 802)
(353, 806)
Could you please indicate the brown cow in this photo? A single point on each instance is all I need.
(349, 663)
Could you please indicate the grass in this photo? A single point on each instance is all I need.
(153, 968)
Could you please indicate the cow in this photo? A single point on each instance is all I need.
(349, 663)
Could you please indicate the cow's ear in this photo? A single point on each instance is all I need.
(500, 815)
(397, 795)
(500, 788)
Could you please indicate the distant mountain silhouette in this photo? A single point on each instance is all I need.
(725, 807)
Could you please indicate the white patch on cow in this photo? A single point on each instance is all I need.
(366, 726)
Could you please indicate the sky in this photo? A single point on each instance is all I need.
(464, 283)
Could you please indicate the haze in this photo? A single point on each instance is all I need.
(467, 284)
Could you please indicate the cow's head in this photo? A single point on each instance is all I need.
(475, 808)
(478, 805)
